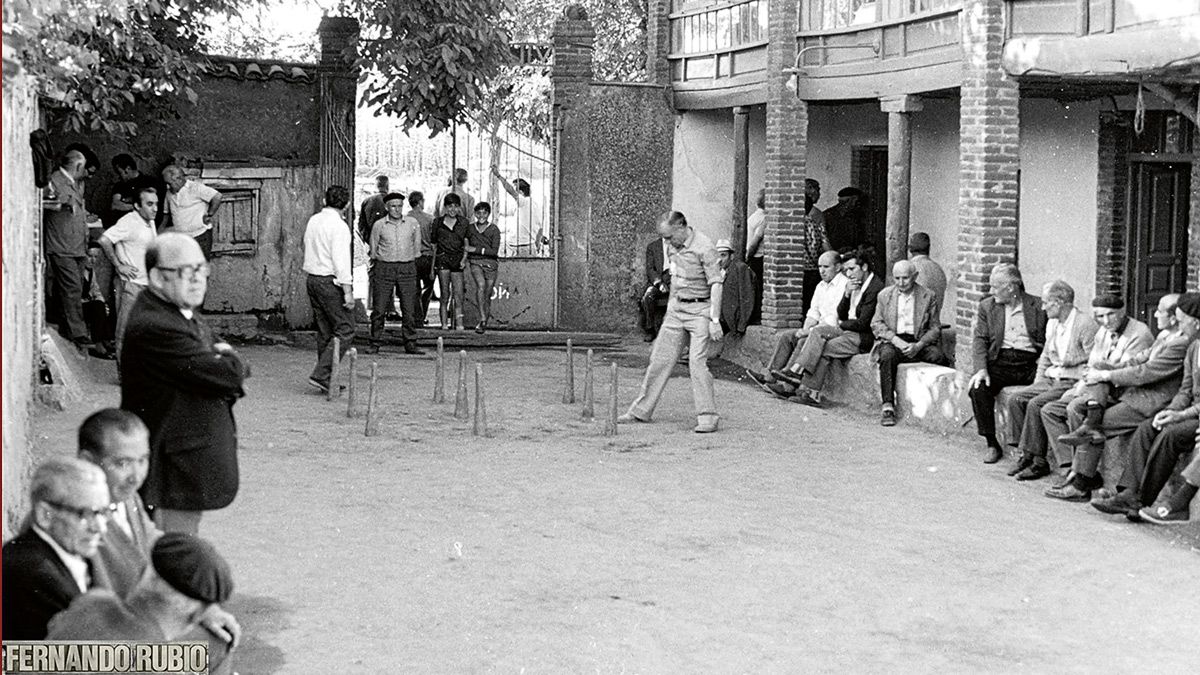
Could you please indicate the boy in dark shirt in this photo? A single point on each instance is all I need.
(483, 249)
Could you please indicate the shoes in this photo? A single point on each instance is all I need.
(1162, 515)
(804, 397)
(626, 418)
(1034, 471)
(1068, 493)
(780, 389)
(323, 388)
(761, 379)
(371, 349)
(995, 454)
(1025, 462)
(787, 376)
(1066, 479)
(705, 427)
(479, 328)
(100, 352)
(410, 348)
(1084, 435)
(1118, 505)
(887, 418)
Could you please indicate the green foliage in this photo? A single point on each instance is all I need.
(97, 61)
(427, 61)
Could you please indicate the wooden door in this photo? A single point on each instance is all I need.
(1158, 221)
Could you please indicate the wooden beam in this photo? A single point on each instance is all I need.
(1184, 104)
(899, 178)
(741, 179)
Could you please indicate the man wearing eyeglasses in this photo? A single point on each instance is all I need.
(182, 383)
(50, 563)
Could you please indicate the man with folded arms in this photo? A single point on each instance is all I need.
(1070, 335)
(1141, 387)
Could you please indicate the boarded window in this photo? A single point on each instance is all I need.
(236, 230)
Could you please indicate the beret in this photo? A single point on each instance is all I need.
(192, 566)
(1109, 301)
(850, 192)
(1189, 303)
(393, 195)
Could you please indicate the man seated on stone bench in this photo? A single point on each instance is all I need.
(907, 325)
(1140, 389)
(1119, 339)
(851, 336)
(1009, 333)
(1070, 337)
(1158, 443)
(822, 311)
(1177, 508)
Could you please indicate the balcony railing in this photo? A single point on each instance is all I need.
(1091, 17)
(718, 46)
(824, 15)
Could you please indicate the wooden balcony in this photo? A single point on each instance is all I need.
(718, 53)
(879, 50)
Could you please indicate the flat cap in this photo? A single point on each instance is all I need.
(193, 567)
(393, 195)
(1108, 301)
(1189, 303)
(724, 245)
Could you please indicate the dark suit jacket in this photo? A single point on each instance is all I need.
(37, 585)
(184, 392)
(737, 296)
(927, 310)
(657, 269)
(865, 313)
(989, 328)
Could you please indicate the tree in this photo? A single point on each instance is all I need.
(427, 61)
(97, 61)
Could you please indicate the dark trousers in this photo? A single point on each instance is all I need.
(426, 278)
(1026, 430)
(66, 273)
(1011, 367)
(653, 307)
(401, 278)
(332, 320)
(756, 266)
(206, 241)
(1173, 442)
(890, 359)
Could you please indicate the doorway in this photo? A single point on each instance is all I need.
(1158, 232)
(869, 167)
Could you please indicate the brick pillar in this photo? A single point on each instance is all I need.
(1112, 190)
(989, 133)
(787, 144)
(339, 92)
(571, 71)
(658, 41)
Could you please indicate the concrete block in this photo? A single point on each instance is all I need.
(236, 326)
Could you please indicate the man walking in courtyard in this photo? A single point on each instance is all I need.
(183, 385)
(693, 311)
(330, 289)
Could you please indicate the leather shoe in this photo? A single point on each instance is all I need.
(887, 417)
(1025, 462)
(626, 418)
(803, 397)
(705, 427)
(1118, 505)
(781, 389)
(1068, 493)
(1034, 471)
(995, 454)
(1065, 479)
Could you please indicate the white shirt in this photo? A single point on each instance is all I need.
(905, 311)
(529, 223)
(76, 564)
(856, 296)
(188, 207)
(130, 236)
(327, 246)
(121, 518)
(1060, 337)
(825, 300)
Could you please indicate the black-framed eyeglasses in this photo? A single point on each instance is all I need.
(84, 515)
(200, 271)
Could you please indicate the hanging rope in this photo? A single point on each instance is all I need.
(1139, 113)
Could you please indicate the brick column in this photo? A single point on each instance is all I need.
(338, 86)
(658, 41)
(787, 144)
(1112, 190)
(989, 132)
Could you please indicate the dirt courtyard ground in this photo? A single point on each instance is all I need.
(794, 540)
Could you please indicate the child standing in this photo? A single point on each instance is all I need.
(449, 240)
(483, 249)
